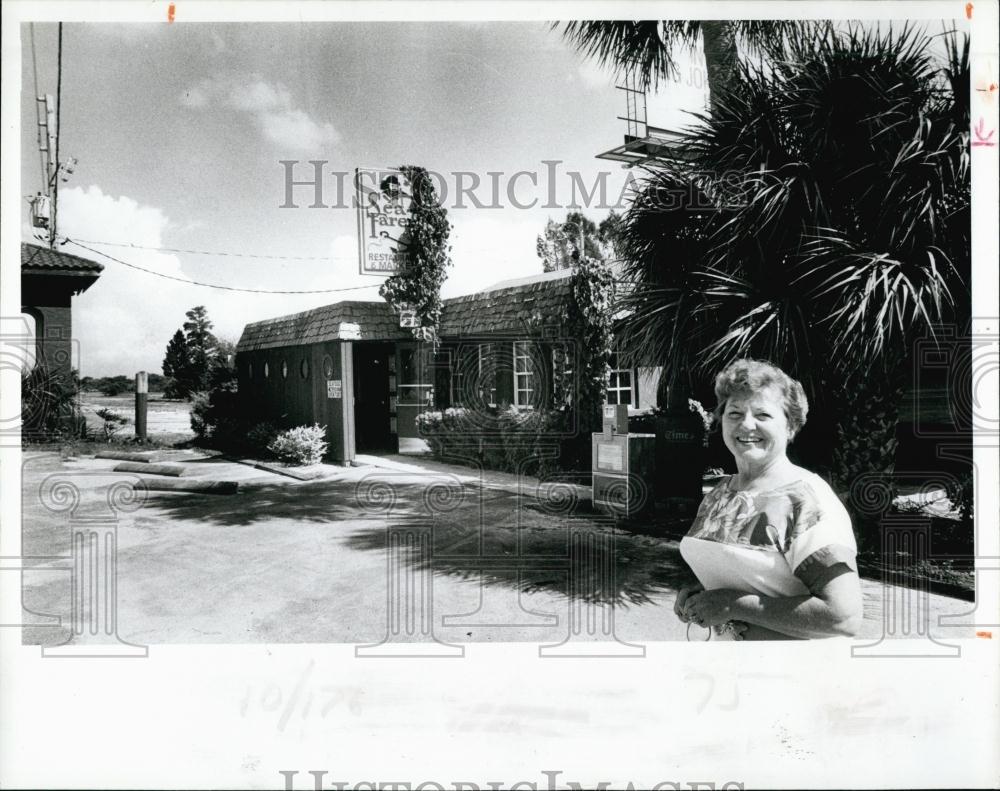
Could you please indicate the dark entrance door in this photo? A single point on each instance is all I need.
(371, 397)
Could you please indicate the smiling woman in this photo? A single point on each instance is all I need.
(772, 546)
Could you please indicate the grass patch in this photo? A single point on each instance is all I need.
(88, 447)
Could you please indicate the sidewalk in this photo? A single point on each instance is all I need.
(576, 482)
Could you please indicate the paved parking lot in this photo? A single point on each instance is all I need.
(409, 548)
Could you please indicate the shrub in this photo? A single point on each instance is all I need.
(707, 418)
(962, 496)
(172, 389)
(115, 385)
(113, 423)
(261, 436)
(506, 439)
(215, 413)
(200, 418)
(444, 428)
(49, 407)
(429, 428)
(229, 433)
(300, 445)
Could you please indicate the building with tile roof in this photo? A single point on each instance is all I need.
(49, 281)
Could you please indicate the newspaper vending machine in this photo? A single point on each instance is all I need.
(622, 466)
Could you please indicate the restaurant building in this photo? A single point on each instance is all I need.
(350, 367)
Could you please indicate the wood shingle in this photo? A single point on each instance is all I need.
(521, 309)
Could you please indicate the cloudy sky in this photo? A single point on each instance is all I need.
(180, 130)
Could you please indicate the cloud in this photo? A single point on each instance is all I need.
(295, 129)
(258, 96)
(273, 108)
(124, 321)
(83, 213)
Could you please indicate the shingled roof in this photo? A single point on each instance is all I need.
(515, 309)
(43, 259)
(376, 320)
(511, 309)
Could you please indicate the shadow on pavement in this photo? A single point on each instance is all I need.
(473, 532)
(319, 501)
(614, 569)
(532, 545)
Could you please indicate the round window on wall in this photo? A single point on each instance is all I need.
(267, 370)
(328, 366)
(304, 368)
(284, 369)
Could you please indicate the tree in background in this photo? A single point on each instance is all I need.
(559, 244)
(224, 362)
(202, 347)
(116, 385)
(215, 410)
(192, 355)
(175, 366)
(609, 231)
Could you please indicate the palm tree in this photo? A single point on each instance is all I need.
(822, 222)
(647, 48)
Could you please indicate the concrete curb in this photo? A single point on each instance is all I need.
(188, 487)
(288, 472)
(145, 457)
(173, 470)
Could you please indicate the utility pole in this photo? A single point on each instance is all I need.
(48, 111)
(41, 204)
(55, 178)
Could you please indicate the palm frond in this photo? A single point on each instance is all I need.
(822, 214)
(645, 48)
(769, 38)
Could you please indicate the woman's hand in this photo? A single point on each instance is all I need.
(682, 598)
(710, 608)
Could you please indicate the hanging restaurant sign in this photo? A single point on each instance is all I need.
(383, 200)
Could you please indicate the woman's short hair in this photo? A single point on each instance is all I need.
(745, 377)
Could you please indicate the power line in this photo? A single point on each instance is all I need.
(220, 253)
(259, 256)
(214, 285)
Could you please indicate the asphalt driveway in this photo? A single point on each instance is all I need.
(397, 550)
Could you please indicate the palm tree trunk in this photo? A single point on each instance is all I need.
(719, 39)
(673, 390)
